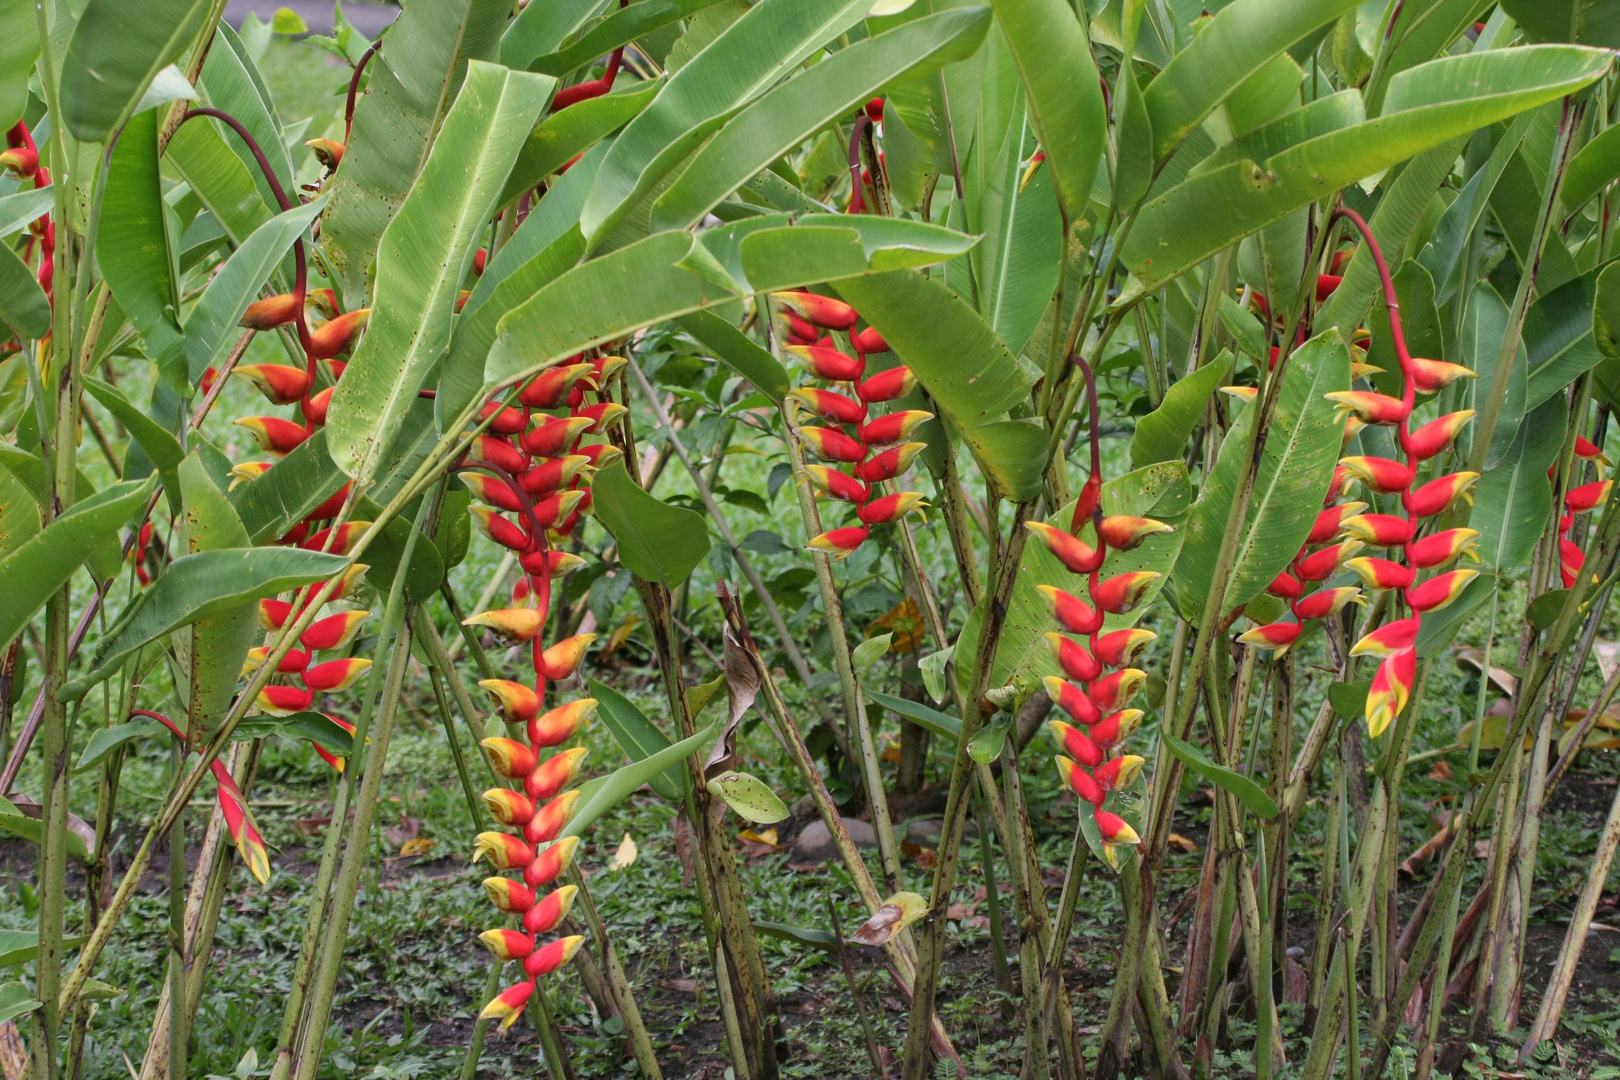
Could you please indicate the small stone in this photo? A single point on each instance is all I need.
(815, 842)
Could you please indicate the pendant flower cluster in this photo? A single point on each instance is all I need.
(21, 159)
(534, 465)
(330, 633)
(1578, 500)
(875, 448)
(1098, 682)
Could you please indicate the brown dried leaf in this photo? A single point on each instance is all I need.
(1441, 771)
(683, 848)
(742, 683)
(1295, 985)
(685, 986)
(416, 846)
(959, 911)
(977, 922)
(1181, 843)
(309, 826)
(905, 622)
(899, 911)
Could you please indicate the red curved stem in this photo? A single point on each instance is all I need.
(354, 88)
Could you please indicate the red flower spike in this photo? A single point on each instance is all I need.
(245, 472)
(330, 508)
(1071, 612)
(282, 384)
(1118, 772)
(1325, 284)
(273, 434)
(874, 110)
(335, 675)
(509, 895)
(510, 807)
(554, 774)
(511, 625)
(1431, 376)
(822, 311)
(1116, 690)
(830, 444)
(829, 364)
(1086, 504)
(508, 944)
(550, 863)
(273, 614)
(488, 489)
(1587, 496)
(499, 529)
(1441, 591)
(338, 539)
(1114, 728)
(1437, 495)
(1277, 635)
(545, 916)
(499, 451)
(1442, 547)
(599, 455)
(508, 1005)
(603, 415)
(1122, 592)
(563, 659)
(283, 700)
(271, 312)
(553, 474)
(1080, 780)
(517, 703)
(510, 759)
(328, 152)
(1587, 450)
(1387, 640)
(553, 435)
(1378, 530)
(503, 850)
(800, 328)
(895, 427)
(548, 389)
(1341, 480)
(836, 484)
(560, 724)
(316, 411)
(335, 337)
(1432, 438)
(1321, 565)
(1114, 829)
(552, 956)
(889, 508)
(1570, 561)
(1074, 553)
(556, 563)
(1285, 585)
(1326, 602)
(896, 382)
(21, 161)
(889, 463)
(554, 508)
(1391, 688)
(1077, 663)
(1072, 700)
(1077, 744)
(551, 818)
(1121, 648)
(1369, 407)
(1123, 532)
(1377, 574)
(1383, 475)
(840, 543)
(239, 824)
(829, 405)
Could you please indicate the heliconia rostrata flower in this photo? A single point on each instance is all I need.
(873, 448)
(532, 468)
(1095, 698)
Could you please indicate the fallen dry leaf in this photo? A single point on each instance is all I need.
(626, 855)
(1482, 849)
(891, 754)
(1441, 771)
(1182, 843)
(309, 826)
(409, 828)
(977, 922)
(416, 846)
(959, 911)
(768, 836)
(685, 986)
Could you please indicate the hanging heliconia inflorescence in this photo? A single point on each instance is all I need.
(1578, 500)
(21, 159)
(534, 465)
(1098, 682)
(875, 448)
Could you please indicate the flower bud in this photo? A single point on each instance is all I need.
(829, 405)
(1285, 585)
(1071, 612)
(839, 543)
(1390, 690)
(503, 850)
(1379, 530)
(1441, 547)
(603, 415)
(273, 434)
(337, 540)
(283, 384)
(1074, 553)
(896, 382)
(1328, 521)
(829, 364)
(328, 152)
(1587, 496)
(1440, 591)
(335, 675)
(551, 862)
(246, 472)
(890, 463)
(1122, 592)
(1072, 700)
(1077, 743)
(1119, 772)
(510, 807)
(517, 703)
(548, 389)
(509, 895)
(563, 658)
(292, 663)
(554, 774)
(499, 529)
(1080, 780)
(1431, 376)
(869, 341)
(1432, 438)
(836, 484)
(1123, 532)
(271, 312)
(1115, 690)
(508, 944)
(889, 508)
(550, 819)
(1277, 635)
(1077, 663)
(1383, 475)
(273, 614)
(495, 492)
(1570, 560)
(1376, 574)
(1114, 728)
(283, 700)
(1321, 565)
(1369, 407)
(830, 444)
(560, 724)
(1438, 495)
(550, 957)
(1114, 829)
(553, 474)
(544, 917)
(315, 411)
(334, 337)
(508, 1005)
(599, 455)
(554, 508)
(895, 427)
(1325, 602)
(1388, 639)
(512, 625)
(553, 435)
(822, 311)
(509, 758)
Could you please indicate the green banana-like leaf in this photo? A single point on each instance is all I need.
(657, 542)
(1245, 790)
(23, 304)
(947, 727)
(751, 56)
(1558, 338)
(37, 568)
(1426, 32)
(272, 504)
(1065, 98)
(1590, 22)
(197, 586)
(1162, 434)
(803, 105)
(1513, 500)
(19, 513)
(738, 351)
(1606, 312)
(969, 373)
(620, 28)
(214, 320)
(1426, 107)
(1023, 658)
(637, 736)
(161, 448)
(422, 66)
(604, 793)
(116, 49)
(1591, 170)
(1485, 325)
(424, 255)
(199, 150)
(104, 741)
(566, 134)
(132, 247)
(316, 727)
(21, 207)
(542, 28)
(19, 49)
(1302, 444)
(231, 82)
(1238, 42)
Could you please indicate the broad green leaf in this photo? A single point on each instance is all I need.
(749, 797)
(1606, 312)
(948, 727)
(869, 651)
(657, 542)
(968, 372)
(1590, 22)
(314, 727)
(19, 49)
(1241, 39)
(16, 999)
(1435, 28)
(1558, 338)
(231, 82)
(566, 134)
(1331, 113)
(620, 28)
(1245, 790)
(637, 736)
(1129, 803)
(1162, 434)
(23, 304)
(1591, 170)
(801, 106)
(1484, 326)
(425, 252)
(732, 346)
(17, 823)
(799, 935)
(1349, 699)
(422, 67)
(105, 740)
(607, 792)
(105, 557)
(19, 513)
(21, 207)
(162, 449)
(1440, 627)
(36, 569)
(541, 28)
(132, 247)
(1302, 444)
(21, 946)
(1059, 74)
(752, 55)
(1513, 500)
(116, 49)
(1442, 255)
(197, 586)
(220, 179)
(1023, 658)
(1133, 134)
(272, 504)
(1420, 326)
(213, 322)
(1426, 107)
(386, 550)
(986, 746)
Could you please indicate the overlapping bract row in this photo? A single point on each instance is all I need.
(875, 448)
(1099, 682)
(534, 465)
(1578, 500)
(331, 633)
(21, 159)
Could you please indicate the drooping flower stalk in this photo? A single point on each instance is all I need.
(21, 159)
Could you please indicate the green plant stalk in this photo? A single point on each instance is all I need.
(557, 1062)
(1507, 805)
(178, 1035)
(1269, 1043)
(855, 993)
(468, 637)
(959, 525)
(475, 1045)
(475, 813)
(998, 939)
(1327, 889)
(1220, 954)
(740, 1050)
(1031, 966)
(1352, 1018)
